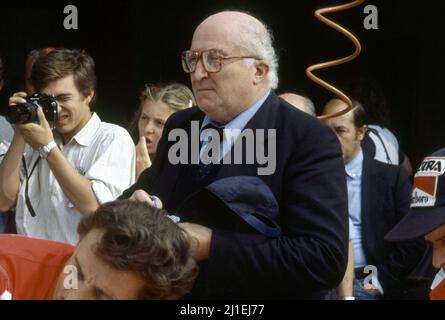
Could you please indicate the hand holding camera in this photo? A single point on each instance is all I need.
(28, 115)
(25, 108)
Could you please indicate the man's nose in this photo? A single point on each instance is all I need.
(200, 72)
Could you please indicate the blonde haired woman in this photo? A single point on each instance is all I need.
(157, 103)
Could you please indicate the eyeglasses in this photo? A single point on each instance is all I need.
(211, 60)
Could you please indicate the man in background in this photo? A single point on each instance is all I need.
(378, 197)
(300, 102)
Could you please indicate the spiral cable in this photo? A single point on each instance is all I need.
(358, 48)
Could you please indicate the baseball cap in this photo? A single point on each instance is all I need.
(427, 201)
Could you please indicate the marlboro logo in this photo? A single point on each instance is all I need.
(424, 191)
(432, 166)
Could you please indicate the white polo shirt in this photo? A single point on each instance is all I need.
(102, 152)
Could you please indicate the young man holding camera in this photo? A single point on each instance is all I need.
(78, 165)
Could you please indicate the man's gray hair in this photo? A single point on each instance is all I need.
(258, 40)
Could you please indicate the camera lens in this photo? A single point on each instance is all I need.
(22, 113)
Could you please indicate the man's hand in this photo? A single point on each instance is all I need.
(142, 196)
(200, 239)
(36, 135)
(143, 160)
(372, 290)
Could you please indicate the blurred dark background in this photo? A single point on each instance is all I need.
(135, 42)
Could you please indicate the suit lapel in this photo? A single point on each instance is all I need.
(373, 200)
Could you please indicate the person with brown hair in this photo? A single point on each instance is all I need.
(31, 59)
(74, 167)
(157, 103)
(127, 251)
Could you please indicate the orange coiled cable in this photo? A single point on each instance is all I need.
(358, 48)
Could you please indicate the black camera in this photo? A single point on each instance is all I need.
(27, 112)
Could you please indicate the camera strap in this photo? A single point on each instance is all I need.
(27, 200)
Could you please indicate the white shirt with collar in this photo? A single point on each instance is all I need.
(104, 153)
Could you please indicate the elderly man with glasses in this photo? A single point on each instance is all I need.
(293, 242)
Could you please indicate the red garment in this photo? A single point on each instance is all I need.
(30, 268)
(438, 293)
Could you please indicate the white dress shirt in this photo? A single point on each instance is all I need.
(103, 153)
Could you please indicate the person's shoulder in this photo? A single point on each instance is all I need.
(382, 166)
(387, 171)
(30, 267)
(6, 130)
(186, 114)
(33, 249)
(302, 126)
(107, 127)
(387, 135)
(298, 119)
(113, 132)
(183, 117)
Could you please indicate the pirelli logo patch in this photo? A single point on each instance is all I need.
(425, 182)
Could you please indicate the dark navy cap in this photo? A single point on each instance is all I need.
(231, 201)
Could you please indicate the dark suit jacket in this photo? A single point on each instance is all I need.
(310, 186)
(386, 197)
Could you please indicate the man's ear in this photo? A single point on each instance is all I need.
(89, 97)
(1, 85)
(361, 132)
(261, 71)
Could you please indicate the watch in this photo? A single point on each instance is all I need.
(46, 149)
